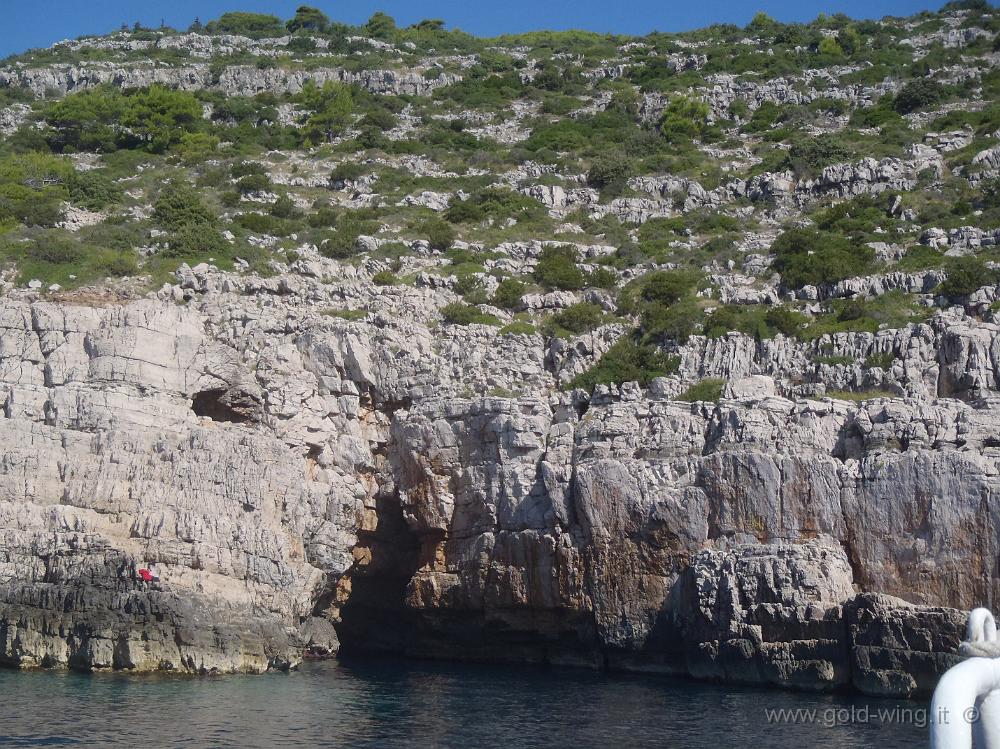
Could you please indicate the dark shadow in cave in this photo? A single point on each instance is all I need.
(375, 617)
(212, 403)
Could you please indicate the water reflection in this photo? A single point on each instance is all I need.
(392, 704)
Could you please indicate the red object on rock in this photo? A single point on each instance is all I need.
(146, 575)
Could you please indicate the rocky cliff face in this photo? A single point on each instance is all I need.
(234, 80)
(107, 466)
(285, 470)
(335, 430)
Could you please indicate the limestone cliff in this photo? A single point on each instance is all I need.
(676, 353)
(285, 469)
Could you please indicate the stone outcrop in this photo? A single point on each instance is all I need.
(13, 117)
(107, 467)
(233, 80)
(651, 483)
(898, 648)
(285, 471)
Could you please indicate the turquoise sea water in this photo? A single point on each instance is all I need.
(385, 703)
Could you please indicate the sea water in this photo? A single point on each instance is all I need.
(392, 703)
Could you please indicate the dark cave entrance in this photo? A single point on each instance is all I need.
(214, 404)
(375, 618)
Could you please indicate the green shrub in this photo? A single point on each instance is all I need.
(557, 269)
(678, 322)
(835, 360)
(509, 292)
(379, 119)
(32, 188)
(263, 223)
(195, 242)
(380, 26)
(559, 104)
(471, 289)
(990, 189)
(763, 117)
(120, 237)
(784, 320)
(755, 320)
(347, 314)
(325, 217)
(30, 207)
(56, 250)
(331, 108)
(859, 396)
(707, 390)
(481, 90)
(103, 119)
(883, 360)
(439, 234)
(457, 313)
(194, 148)
(966, 275)
(830, 47)
(579, 318)
(255, 25)
(610, 173)
(159, 117)
(668, 287)
(858, 217)
(658, 233)
(893, 310)
(254, 183)
(809, 156)
(518, 327)
(26, 139)
(306, 19)
(493, 203)
(602, 278)
(283, 207)
(66, 259)
(246, 169)
(92, 190)
(919, 94)
(684, 118)
(346, 171)
(339, 246)
(921, 257)
(180, 205)
(736, 318)
(665, 303)
(565, 135)
(627, 361)
(809, 257)
(385, 278)
(115, 264)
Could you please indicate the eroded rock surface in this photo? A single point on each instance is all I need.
(282, 468)
(315, 450)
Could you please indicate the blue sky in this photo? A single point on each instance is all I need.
(37, 23)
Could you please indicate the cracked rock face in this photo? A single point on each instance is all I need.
(285, 471)
(107, 468)
(234, 80)
(311, 460)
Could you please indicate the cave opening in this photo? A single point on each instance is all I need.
(214, 404)
(375, 618)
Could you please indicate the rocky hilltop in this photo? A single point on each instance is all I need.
(674, 354)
